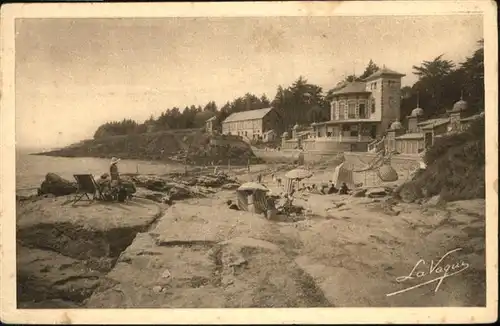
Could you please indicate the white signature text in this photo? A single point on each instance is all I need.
(435, 269)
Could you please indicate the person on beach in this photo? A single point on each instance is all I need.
(105, 186)
(344, 190)
(259, 178)
(113, 169)
(332, 189)
(115, 176)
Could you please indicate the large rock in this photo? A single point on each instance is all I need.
(84, 230)
(359, 192)
(376, 192)
(158, 197)
(434, 201)
(129, 186)
(409, 192)
(46, 275)
(71, 247)
(56, 185)
(238, 273)
(165, 183)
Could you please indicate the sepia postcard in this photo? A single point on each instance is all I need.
(314, 162)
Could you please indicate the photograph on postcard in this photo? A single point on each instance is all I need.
(250, 162)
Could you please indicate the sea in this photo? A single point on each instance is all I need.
(31, 169)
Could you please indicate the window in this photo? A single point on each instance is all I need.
(341, 110)
(374, 85)
(351, 110)
(334, 107)
(362, 112)
(373, 105)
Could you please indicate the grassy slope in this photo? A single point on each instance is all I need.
(455, 166)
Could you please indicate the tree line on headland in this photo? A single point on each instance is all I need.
(440, 84)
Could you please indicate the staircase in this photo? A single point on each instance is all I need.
(375, 145)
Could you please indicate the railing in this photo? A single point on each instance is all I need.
(345, 138)
(373, 145)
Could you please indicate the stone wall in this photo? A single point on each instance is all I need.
(284, 156)
(403, 164)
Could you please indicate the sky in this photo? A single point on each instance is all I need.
(73, 75)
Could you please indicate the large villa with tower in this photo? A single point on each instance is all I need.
(365, 116)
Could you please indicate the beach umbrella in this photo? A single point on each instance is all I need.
(298, 174)
(342, 174)
(251, 186)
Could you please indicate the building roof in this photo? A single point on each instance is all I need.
(352, 88)
(472, 117)
(459, 106)
(248, 115)
(304, 132)
(396, 125)
(384, 72)
(416, 112)
(212, 118)
(415, 135)
(433, 123)
(335, 122)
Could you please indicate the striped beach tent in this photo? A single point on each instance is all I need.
(242, 200)
(260, 202)
(252, 197)
(343, 174)
(289, 183)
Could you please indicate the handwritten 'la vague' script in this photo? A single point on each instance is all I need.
(438, 269)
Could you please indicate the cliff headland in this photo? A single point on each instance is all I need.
(189, 145)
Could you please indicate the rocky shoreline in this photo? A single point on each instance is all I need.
(177, 245)
(50, 233)
(191, 147)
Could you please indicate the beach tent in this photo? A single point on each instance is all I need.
(252, 197)
(339, 159)
(289, 183)
(293, 176)
(341, 174)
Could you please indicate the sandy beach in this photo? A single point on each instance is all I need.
(344, 252)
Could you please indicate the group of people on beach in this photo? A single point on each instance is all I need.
(110, 184)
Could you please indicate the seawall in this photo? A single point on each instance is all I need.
(358, 159)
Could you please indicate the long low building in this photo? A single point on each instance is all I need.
(252, 124)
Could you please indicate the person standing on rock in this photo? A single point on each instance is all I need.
(113, 169)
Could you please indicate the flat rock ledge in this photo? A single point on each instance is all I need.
(65, 251)
(195, 253)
